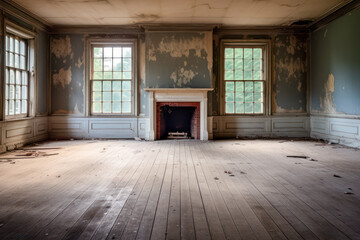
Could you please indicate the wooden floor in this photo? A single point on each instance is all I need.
(123, 189)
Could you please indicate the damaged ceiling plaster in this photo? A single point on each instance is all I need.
(225, 12)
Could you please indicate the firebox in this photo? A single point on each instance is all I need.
(178, 120)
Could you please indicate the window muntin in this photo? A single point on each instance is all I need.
(244, 79)
(111, 79)
(17, 77)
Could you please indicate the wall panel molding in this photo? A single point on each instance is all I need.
(335, 129)
(270, 126)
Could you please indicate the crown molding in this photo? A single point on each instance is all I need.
(19, 12)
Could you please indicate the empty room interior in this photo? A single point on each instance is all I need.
(166, 119)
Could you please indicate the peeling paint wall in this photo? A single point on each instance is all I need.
(335, 66)
(67, 74)
(178, 59)
(42, 72)
(290, 66)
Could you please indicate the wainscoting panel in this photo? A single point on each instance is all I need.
(342, 130)
(237, 126)
(88, 127)
(16, 133)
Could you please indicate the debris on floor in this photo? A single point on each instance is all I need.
(337, 176)
(137, 138)
(242, 172)
(216, 178)
(231, 175)
(349, 193)
(293, 156)
(313, 160)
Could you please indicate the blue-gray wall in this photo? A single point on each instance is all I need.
(335, 66)
(178, 59)
(67, 74)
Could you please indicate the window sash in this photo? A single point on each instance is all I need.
(17, 77)
(244, 79)
(115, 95)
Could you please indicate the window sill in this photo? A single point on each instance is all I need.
(18, 119)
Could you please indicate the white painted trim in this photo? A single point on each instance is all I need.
(179, 95)
(260, 126)
(335, 129)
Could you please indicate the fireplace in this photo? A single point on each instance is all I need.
(178, 98)
(178, 120)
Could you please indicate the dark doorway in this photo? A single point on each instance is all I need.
(177, 122)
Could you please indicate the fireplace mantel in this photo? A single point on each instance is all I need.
(179, 95)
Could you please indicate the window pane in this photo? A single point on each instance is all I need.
(18, 77)
(17, 46)
(24, 92)
(249, 87)
(116, 96)
(107, 64)
(229, 86)
(239, 75)
(17, 92)
(258, 86)
(126, 96)
(22, 62)
(11, 60)
(126, 107)
(98, 64)
(107, 96)
(239, 53)
(108, 52)
(229, 75)
(23, 106)
(229, 107)
(248, 53)
(97, 86)
(11, 107)
(126, 75)
(17, 107)
(248, 64)
(126, 64)
(98, 75)
(12, 76)
(258, 97)
(22, 48)
(116, 85)
(107, 75)
(106, 86)
(257, 75)
(117, 107)
(229, 53)
(96, 96)
(239, 107)
(107, 107)
(248, 75)
(98, 52)
(117, 64)
(248, 107)
(257, 64)
(257, 53)
(97, 107)
(229, 64)
(17, 61)
(24, 78)
(11, 41)
(126, 85)
(117, 52)
(117, 75)
(7, 43)
(239, 86)
(239, 63)
(258, 108)
(249, 97)
(126, 52)
(12, 92)
(239, 97)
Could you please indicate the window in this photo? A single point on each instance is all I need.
(17, 77)
(244, 78)
(112, 79)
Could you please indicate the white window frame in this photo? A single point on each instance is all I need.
(31, 38)
(265, 44)
(111, 42)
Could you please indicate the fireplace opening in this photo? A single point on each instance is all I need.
(177, 122)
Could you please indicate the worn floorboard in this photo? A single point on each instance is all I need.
(226, 189)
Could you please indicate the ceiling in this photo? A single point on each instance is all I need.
(224, 12)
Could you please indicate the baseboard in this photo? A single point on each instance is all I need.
(65, 127)
(269, 126)
(342, 130)
(17, 133)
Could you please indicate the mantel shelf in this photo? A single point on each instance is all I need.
(178, 89)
